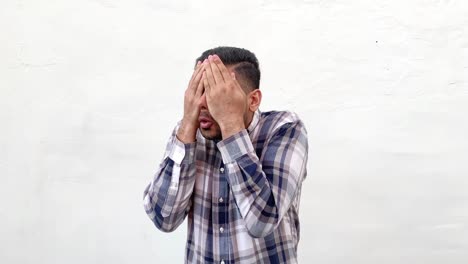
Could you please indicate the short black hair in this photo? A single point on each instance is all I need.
(246, 63)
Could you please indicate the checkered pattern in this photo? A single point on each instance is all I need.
(241, 194)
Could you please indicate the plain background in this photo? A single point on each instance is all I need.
(91, 89)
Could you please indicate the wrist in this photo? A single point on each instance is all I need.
(231, 128)
(187, 132)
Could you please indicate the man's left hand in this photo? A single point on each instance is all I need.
(226, 100)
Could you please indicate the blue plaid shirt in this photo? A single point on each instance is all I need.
(241, 194)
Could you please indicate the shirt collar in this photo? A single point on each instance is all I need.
(254, 122)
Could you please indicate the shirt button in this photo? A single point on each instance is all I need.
(221, 229)
(221, 199)
(221, 170)
(222, 262)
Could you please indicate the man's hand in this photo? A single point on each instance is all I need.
(189, 125)
(225, 98)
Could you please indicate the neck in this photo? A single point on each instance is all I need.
(248, 119)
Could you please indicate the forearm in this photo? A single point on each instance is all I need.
(167, 197)
(254, 195)
(264, 189)
(166, 200)
(187, 132)
(232, 127)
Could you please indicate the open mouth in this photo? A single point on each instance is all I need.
(205, 122)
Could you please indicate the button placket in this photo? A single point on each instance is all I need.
(223, 207)
(221, 170)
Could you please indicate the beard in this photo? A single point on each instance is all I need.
(212, 133)
(209, 128)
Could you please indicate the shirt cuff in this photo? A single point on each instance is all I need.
(182, 153)
(235, 146)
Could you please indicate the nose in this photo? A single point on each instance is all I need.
(203, 104)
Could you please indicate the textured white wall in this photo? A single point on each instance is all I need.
(91, 89)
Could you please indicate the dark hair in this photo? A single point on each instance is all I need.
(246, 63)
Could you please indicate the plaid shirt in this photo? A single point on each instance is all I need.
(241, 194)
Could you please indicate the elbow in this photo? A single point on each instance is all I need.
(260, 230)
(165, 222)
(259, 227)
(164, 226)
(264, 222)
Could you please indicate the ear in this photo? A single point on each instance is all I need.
(255, 98)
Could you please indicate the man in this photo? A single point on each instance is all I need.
(235, 171)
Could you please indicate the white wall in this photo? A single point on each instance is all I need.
(91, 89)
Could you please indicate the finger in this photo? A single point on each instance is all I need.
(199, 90)
(206, 84)
(222, 68)
(207, 88)
(197, 78)
(197, 68)
(195, 72)
(215, 70)
(208, 91)
(209, 74)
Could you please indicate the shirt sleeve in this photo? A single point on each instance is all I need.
(167, 197)
(264, 190)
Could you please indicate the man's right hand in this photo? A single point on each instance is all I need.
(189, 125)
